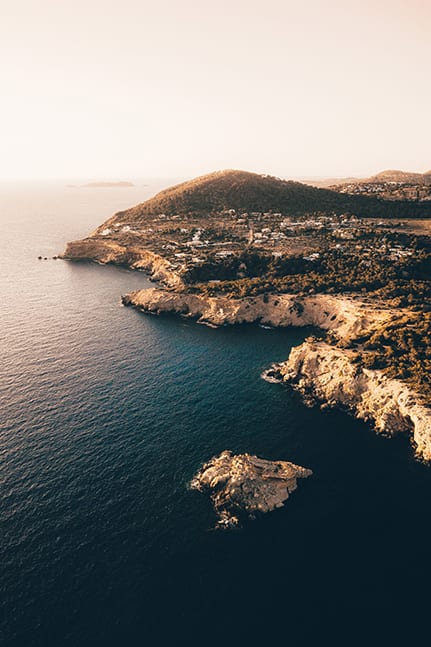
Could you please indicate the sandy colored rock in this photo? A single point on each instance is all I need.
(329, 375)
(133, 256)
(345, 316)
(316, 369)
(245, 485)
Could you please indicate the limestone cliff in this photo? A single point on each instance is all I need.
(133, 256)
(345, 316)
(328, 374)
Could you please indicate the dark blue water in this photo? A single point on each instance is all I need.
(106, 415)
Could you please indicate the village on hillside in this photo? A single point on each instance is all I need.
(387, 190)
(189, 241)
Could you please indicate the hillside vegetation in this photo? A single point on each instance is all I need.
(250, 192)
(400, 347)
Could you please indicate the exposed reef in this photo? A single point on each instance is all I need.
(244, 485)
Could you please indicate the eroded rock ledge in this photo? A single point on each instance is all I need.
(345, 316)
(245, 485)
(133, 256)
(318, 370)
(328, 374)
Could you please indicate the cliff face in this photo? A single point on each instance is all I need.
(316, 369)
(135, 257)
(346, 317)
(328, 375)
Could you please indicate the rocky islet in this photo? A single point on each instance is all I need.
(245, 485)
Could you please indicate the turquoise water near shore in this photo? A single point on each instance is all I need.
(106, 415)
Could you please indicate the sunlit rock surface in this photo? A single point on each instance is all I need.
(327, 374)
(244, 485)
(345, 316)
(321, 372)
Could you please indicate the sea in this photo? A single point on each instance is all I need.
(106, 415)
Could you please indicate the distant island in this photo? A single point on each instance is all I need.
(233, 247)
(102, 185)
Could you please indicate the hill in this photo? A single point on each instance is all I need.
(250, 192)
(388, 176)
(403, 177)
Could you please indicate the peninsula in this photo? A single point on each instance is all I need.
(234, 247)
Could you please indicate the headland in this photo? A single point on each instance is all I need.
(235, 247)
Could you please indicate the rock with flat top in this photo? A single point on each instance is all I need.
(244, 485)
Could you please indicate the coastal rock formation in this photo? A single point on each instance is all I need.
(345, 316)
(245, 485)
(133, 256)
(232, 225)
(316, 369)
(328, 374)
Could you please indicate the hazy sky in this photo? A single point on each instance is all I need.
(132, 88)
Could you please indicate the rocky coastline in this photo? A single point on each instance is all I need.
(106, 251)
(330, 376)
(343, 315)
(296, 267)
(325, 373)
(321, 372)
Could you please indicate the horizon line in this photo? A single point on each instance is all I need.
(153, 177)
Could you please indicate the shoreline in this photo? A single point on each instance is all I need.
(135, 257)
(344, 317)
(321, 372)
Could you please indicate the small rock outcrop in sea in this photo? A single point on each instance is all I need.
(243, 485)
